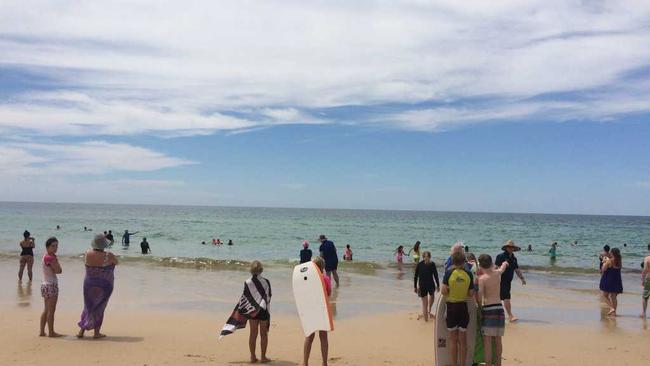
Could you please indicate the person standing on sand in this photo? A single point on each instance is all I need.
(261, 322)
(328, 252)
(611, 283)
(97, 287)
(126, 238)
(492, 316)
(26, 256)
(50, 286)
(457, 286)
(506, 279)
(305, 253)
(322, 335)
(645, 283)
(426, 283)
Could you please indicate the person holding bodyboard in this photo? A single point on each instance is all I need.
(312, 289)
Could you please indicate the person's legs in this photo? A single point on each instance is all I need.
(645, 307)
(487, 349)
(462, 340)
(608, 301)
(432, 297)
(336, 277)
(425, 313)
(508, 307)
(453, 347)
(614, 302)
(307, 349)
(324, 345)
(499, 349)
(264, 338)
(252, 339)
(30, 265)
(22, 268)
(43, 318)
(51, 309)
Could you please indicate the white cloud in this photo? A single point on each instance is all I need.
(91, 157)
(173, 68)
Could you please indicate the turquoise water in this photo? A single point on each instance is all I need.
(175, 233)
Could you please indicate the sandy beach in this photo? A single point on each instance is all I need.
(162, 316)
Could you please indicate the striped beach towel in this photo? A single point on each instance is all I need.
(255, 298)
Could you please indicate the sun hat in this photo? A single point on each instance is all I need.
(510, 244)
(99, 242)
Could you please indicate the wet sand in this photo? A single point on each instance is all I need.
(172, 316)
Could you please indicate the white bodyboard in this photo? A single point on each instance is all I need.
(441, 335)
(312, 301)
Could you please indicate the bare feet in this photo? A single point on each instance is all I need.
(265, 360)
(42, 334)
(80, 334)
(612, 312)
(253, 359)
(513, 319)
(432, 316)
(642, 316)
(99, 335)
(55, 335)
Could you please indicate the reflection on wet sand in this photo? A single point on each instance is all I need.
(24, 294)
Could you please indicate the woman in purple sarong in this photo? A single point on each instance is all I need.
(98, 286)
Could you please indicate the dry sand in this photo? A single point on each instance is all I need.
(190, 338)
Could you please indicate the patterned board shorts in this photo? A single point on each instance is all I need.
(493, 322)
(646, 289)
(49, 290)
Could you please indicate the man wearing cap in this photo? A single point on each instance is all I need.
(328, 252)
(506, 279)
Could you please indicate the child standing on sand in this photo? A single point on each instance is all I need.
(493, 317)
(324, 344)
(457, 286)
(50, 286)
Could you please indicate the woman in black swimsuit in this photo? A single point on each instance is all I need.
(26, 255)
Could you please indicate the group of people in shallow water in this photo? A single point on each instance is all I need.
(97, 287)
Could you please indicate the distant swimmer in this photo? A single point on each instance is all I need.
(347, 254)
(58, 227)
(144, 245)
(110, 238)
(203, 243)
(530, 248)
(305, 253)
(575, 243)
(126, 237)
(230, 242)
(216, 241)
(553, 251)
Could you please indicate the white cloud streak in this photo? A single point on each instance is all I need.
(86, 158)
(180, 68)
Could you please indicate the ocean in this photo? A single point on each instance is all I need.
(274, 235)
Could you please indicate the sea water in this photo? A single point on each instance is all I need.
(274, 235)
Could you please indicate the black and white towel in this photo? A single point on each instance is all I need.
(256, 298)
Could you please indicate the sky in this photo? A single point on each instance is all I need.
(502, 106)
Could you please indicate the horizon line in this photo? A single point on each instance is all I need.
(326, 208)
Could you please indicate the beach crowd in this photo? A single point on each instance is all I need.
(467, 281)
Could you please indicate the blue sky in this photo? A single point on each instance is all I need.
(402, 105)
